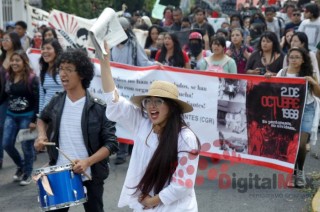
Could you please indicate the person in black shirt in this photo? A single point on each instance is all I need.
(22, 92)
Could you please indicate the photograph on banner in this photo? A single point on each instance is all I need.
(274, 117)
(73, 31)
(107, 27)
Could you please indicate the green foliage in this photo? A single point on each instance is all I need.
(149, 4)
(83, 8)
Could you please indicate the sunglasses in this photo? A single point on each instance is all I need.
(296, 14)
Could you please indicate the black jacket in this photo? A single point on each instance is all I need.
(97, 130)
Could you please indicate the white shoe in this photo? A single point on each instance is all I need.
(18, 175)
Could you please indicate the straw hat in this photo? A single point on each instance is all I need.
(163, 89)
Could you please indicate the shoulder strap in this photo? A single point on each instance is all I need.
(284, 72)
(208, 60)
(226, 61)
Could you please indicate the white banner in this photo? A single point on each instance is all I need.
(36, 18)
(219, 118)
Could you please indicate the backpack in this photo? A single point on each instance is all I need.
(281, 24)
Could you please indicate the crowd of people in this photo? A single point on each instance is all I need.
(278, 41)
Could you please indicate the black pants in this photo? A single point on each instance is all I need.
(95, 194)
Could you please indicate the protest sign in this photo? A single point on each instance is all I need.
(36, 17)
(73, 31)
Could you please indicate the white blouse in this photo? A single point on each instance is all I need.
(179, 194)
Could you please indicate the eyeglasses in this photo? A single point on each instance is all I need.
(5, 40)
(296, 14)
(67, 70)
(148, 102)
(294, 58)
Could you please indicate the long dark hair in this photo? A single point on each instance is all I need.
(27, 69)
(273, 38)
(165, 158)
(177, 58)
(306, 68)
(303, 38)
(16, 44)
(149, 39)
(237, 15)
(44, 65)
(49, 29)
(287, 45)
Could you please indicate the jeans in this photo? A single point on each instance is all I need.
(12, 125)
(307, 118)
(3, 110)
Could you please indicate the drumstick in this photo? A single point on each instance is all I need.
(49, 143)
(66, 156)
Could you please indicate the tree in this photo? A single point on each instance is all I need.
(83, 8)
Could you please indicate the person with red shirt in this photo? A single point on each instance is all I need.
(171, 53)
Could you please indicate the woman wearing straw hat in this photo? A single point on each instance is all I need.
(162, 170)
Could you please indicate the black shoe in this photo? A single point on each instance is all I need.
(18, 175)
(0, 164)
(120, 161)
(26, 180)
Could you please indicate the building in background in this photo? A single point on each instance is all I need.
(14, 10)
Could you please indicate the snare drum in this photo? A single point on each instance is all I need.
(66, 186)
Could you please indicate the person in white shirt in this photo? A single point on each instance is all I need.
(274, 24)
(21, 30)
(311, 25)
(163, 165)
(78, 128)
(300, 66)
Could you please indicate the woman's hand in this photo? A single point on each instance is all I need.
(255, 71)
(315, 86)
(268, 74)
(149, 201)
(108, 84)
(106, 48)
(311, 80)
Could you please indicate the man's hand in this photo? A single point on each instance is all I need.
(40, 143)
(81, 166)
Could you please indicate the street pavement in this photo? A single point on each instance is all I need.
(222, 186)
